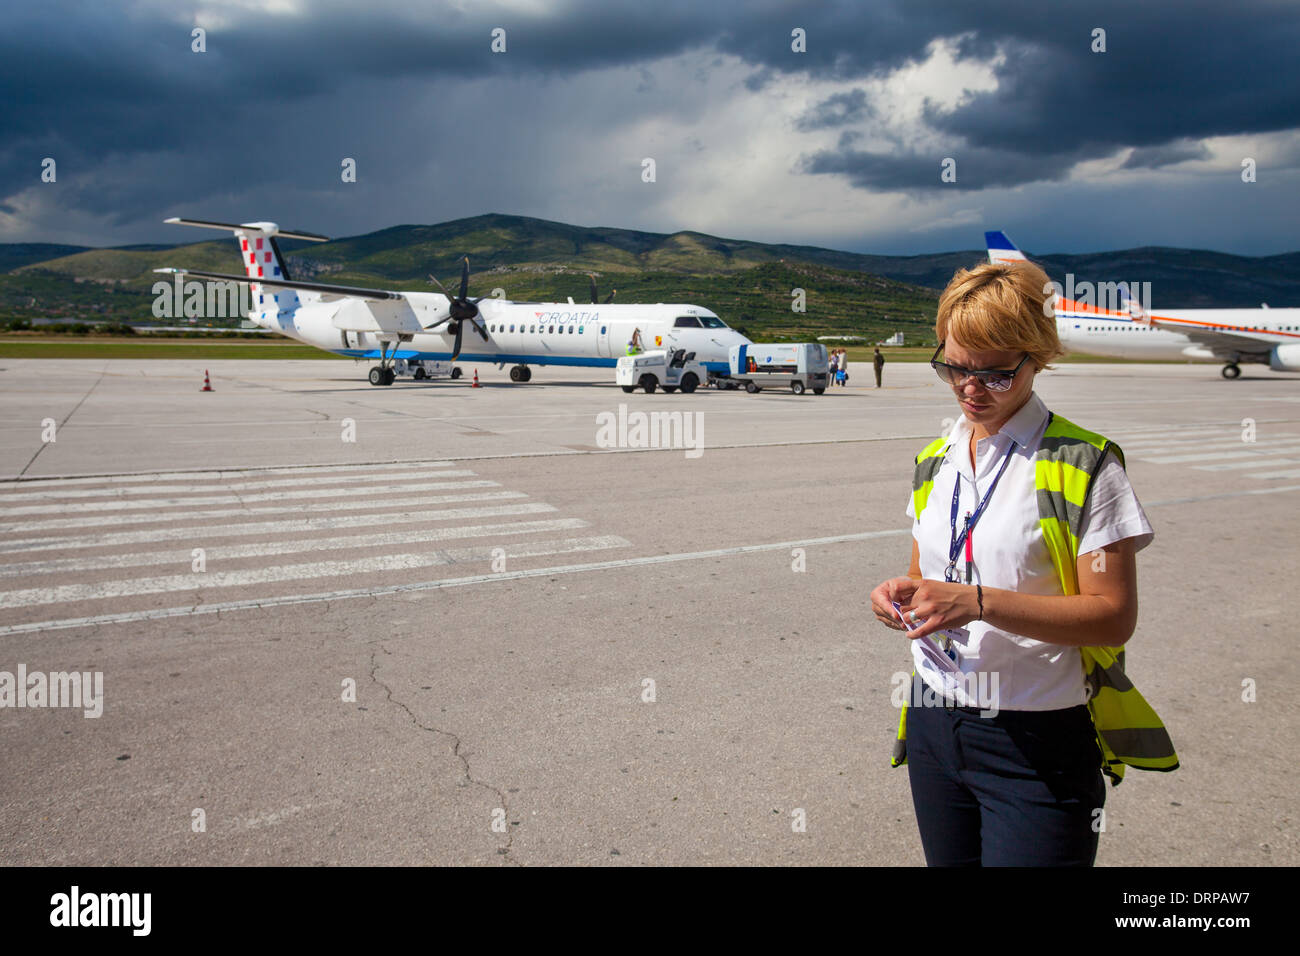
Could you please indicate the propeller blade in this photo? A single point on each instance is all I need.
(595, 296)
(464, 279)
(610, 297)
(478, 327)
(430, 328)
(434, 280)
(455, 349)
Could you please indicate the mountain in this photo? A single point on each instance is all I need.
(748, 283)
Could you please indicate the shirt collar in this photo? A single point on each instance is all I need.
(1022, 427)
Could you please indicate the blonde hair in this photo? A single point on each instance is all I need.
(1001, 307)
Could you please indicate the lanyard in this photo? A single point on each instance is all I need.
(956, 541)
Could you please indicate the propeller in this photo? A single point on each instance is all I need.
(595, 296)
(460, 310)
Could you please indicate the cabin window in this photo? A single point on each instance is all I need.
(602, 330)
(512, 326)
(551, 330)
(570, 330)
(580, 328)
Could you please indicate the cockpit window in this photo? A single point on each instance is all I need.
(712, 322)
(686, 322)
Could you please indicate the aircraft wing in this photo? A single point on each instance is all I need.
(334, 290)
(1226, 341)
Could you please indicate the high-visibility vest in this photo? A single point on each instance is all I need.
(1128, 730)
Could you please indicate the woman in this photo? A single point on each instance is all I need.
(1024, 579)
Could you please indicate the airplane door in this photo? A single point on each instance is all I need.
(603, 341)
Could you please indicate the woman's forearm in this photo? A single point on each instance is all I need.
(1075, 620)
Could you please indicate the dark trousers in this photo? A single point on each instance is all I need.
(1022, 788)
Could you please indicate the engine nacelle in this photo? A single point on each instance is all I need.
(1285, 358)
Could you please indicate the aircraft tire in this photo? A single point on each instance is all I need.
(528, 374)
(1231, 370)
(389, 376)
(376, 376)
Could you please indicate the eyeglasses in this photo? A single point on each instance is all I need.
(995, 380)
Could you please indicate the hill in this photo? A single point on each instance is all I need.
(748, 283)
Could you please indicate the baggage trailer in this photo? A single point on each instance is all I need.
(798, 367)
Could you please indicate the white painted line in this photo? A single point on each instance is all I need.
(216, 474)
(1270, 475)
(128, 617)
(208, 532)
(1279, 448)
(215, 555)
(126, 490)
(251, 577)
(1224, 443)
(311, 493)
(1260, 462)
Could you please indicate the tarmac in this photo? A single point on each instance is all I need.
(437, 624)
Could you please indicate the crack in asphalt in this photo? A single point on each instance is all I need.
(455, 752)
(66, 419)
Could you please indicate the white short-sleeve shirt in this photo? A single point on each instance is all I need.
(1008, 551)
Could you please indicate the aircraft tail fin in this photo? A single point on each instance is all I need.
(1001, 249)
(263, 260)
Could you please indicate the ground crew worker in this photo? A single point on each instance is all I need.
(1025, 534)
(634, 344)
(879, 361)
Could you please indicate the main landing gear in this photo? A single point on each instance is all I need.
(383, 374)
(1231, 370)
(520, 373)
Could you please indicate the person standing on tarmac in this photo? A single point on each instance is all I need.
(842, 376)
(1018, 614)
(879, 362)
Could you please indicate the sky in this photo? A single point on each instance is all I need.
(1074, 127)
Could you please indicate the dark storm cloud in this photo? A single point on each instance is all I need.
(1171, 72)
(138, 122)
(1153, 157)
(836, 110)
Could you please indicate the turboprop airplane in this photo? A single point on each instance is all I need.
(388, 325)
(1130, 330)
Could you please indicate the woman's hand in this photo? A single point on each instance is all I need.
(940, 605)
(895, 589)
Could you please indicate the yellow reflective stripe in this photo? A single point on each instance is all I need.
(900, 744)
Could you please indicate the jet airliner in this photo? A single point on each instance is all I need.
(1233, 336)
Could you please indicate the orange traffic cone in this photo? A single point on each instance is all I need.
(476, 384)
(207, 382)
